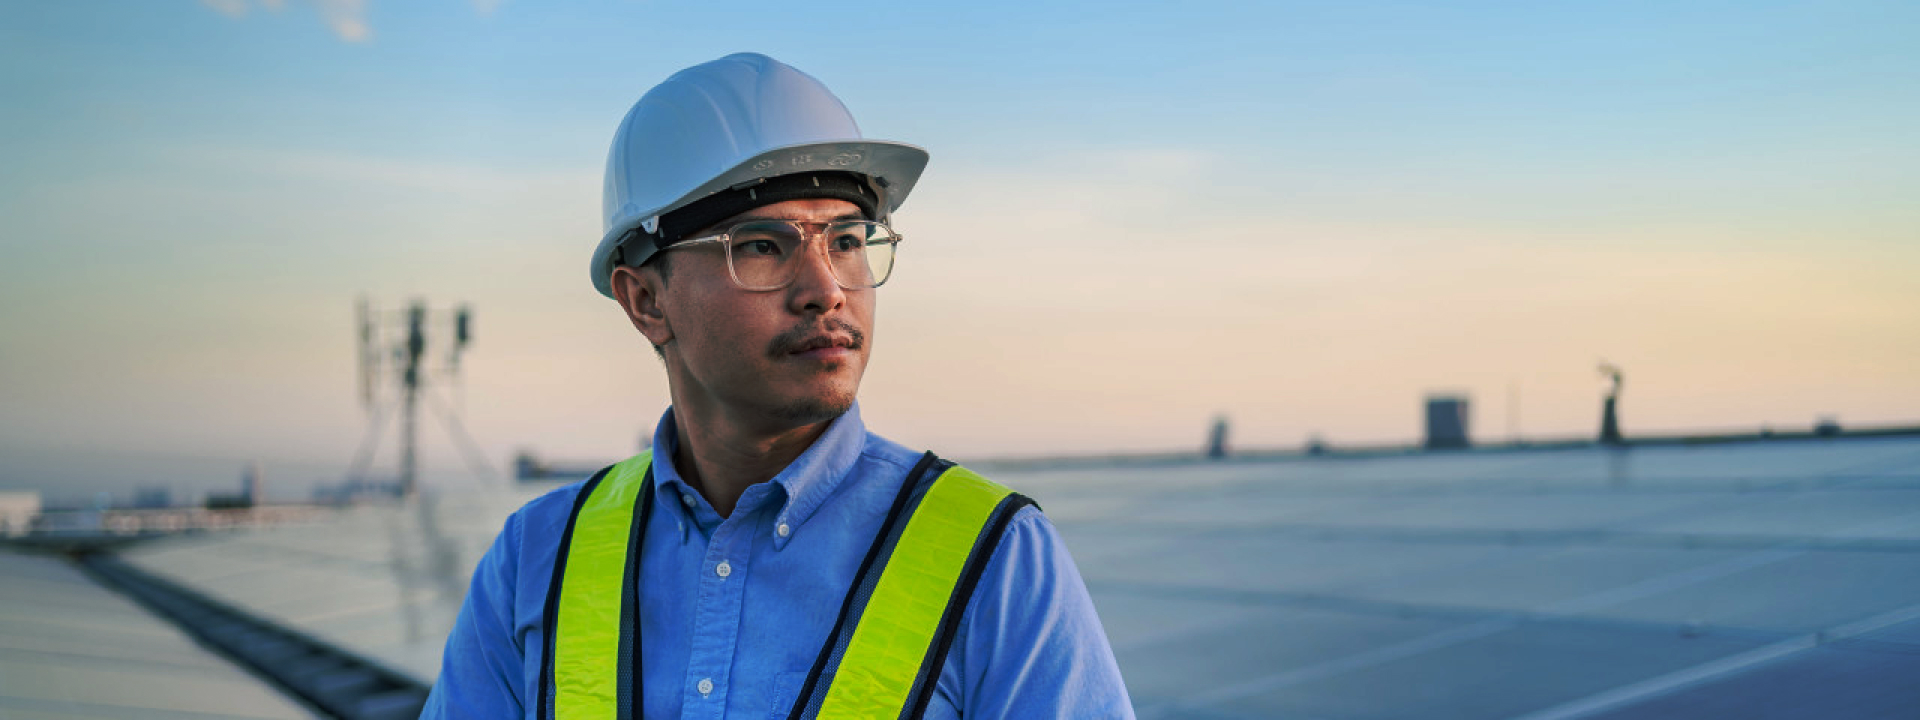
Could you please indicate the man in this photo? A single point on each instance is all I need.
(769, 558)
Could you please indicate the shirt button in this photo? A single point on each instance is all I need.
(723, 570)
(686, 499)
(706, 687)
(783, 530)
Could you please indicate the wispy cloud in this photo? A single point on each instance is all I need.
(229, 8)
(347, 18)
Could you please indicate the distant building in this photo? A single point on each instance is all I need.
(253, 493)
(528, 468)
(17, 511)
(1826, 426)
(153, 496)
(1446, 422)
(228, 501)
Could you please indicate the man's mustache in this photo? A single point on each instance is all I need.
(801, 337)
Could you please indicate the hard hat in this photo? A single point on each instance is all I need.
(729, 124)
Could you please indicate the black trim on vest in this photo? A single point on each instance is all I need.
(983, 549)
(912, 489)
(551, 616)
(629, 679)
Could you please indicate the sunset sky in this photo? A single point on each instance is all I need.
(1305, 217)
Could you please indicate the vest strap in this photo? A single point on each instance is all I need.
(943, 527)
(590, 623)
(885, 663)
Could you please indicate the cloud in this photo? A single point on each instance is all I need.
(238, 8)
(229, 8)
(347, 18)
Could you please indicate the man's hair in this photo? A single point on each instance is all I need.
(663, 264)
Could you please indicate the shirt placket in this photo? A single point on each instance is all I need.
(716, 631)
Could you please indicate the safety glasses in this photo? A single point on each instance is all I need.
(765, 255)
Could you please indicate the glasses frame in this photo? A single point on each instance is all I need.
(724, 238)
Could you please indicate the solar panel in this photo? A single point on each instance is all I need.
(1583, 582)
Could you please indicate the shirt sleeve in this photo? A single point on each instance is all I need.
(481, 671)
(1033, 646)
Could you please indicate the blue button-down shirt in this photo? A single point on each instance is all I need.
(735, 609)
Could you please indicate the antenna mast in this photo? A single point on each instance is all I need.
(409, 360)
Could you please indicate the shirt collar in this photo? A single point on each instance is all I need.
(808, 481)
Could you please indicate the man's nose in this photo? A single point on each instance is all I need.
(814, 288)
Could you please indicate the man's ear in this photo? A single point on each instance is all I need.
(638, 292)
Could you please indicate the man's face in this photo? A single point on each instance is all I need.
(780, 358)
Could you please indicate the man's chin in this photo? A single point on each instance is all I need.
(816, 409)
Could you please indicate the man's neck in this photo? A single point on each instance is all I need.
(722, 459)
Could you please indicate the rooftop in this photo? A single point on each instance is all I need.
(1762, 580)
(70, 648)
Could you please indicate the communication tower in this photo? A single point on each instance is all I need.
(394, 347)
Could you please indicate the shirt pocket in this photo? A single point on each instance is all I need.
(786, 688)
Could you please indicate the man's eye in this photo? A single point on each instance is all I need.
(757, 247)
(847, 243)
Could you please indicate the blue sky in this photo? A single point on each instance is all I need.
(1301, 215)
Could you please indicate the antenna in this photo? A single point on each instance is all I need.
(408, 359)
(462, 334)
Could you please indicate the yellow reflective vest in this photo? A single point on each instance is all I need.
(887, 645)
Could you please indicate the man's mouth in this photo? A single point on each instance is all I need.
(834, 340)
(825, 342)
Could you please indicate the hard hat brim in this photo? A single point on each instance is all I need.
(894, 166)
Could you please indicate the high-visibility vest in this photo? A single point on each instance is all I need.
(905, 602)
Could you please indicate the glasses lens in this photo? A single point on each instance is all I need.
(862, 253)
(760, 252)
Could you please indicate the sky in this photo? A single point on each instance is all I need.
(1305, 217)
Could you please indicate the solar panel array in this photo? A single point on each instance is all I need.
(70, 649)
(1777, 579)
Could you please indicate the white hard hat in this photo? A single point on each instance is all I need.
(729, 124)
